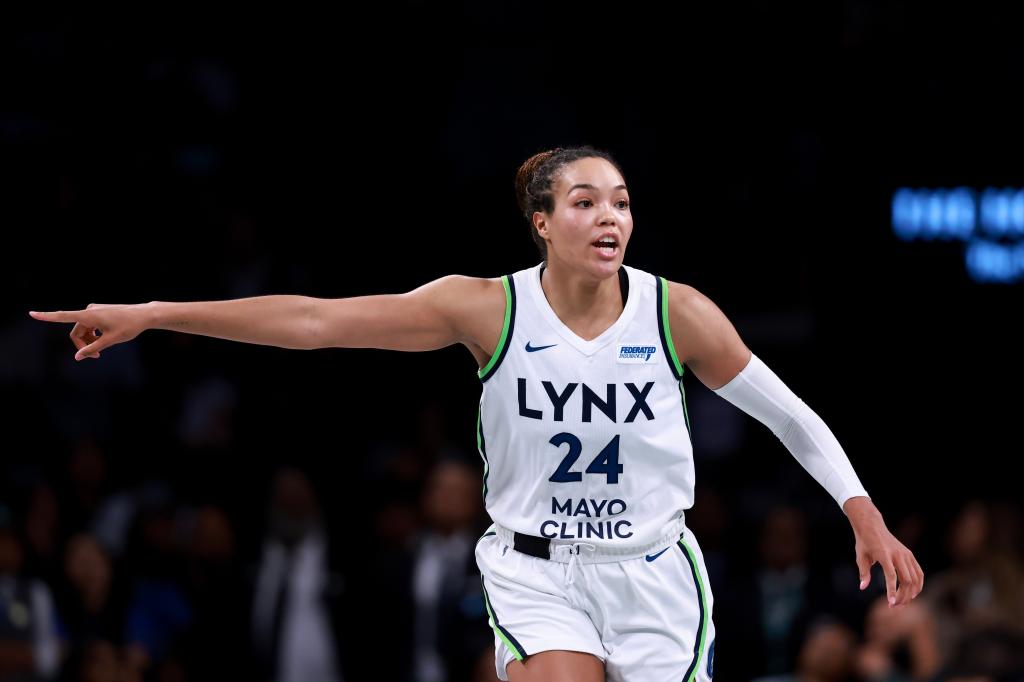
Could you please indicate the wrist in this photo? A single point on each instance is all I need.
(152, 314)
(860, 509)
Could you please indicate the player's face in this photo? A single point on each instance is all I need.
(591, 200)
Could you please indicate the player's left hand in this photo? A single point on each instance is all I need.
(904, 578)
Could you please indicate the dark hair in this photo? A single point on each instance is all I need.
(535, 178)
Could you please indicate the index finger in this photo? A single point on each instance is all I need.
(57, 315)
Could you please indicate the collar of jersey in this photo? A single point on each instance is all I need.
(582, 345)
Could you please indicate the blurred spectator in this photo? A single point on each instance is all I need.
(42, 533)
(90, 602)
(994, 654)
(426, 592)
(827, 655)
(450, 628)
(296, 601)
(29, 648)
(979, 599)
(770, 609)
(217, 643)
(398, 467)
(900, 643)
(159, 611)
(1007, 527)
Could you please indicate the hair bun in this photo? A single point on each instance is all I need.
(525, 174)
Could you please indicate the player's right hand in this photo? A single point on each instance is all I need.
(99, 326)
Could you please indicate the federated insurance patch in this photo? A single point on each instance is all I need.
(636, 353)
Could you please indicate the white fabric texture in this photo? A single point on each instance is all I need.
(647, 618)
(759, 392)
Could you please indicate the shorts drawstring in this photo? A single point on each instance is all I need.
(574, 551)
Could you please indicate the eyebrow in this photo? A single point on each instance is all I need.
(592, 187)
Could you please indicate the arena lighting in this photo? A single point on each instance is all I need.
(989, 222)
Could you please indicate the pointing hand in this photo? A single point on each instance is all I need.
(99, 326)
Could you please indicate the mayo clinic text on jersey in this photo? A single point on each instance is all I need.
(591, 508)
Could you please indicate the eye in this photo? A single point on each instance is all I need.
(624, 204)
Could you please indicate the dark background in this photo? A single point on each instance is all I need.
(196, 154)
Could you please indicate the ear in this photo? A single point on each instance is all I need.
(540, 224)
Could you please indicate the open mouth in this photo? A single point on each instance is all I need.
(605, 247)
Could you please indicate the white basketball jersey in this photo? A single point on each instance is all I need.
(585, 440)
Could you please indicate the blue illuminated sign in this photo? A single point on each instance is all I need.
(990, 223)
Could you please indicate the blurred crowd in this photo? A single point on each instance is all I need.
(190, 509)
(109, 579)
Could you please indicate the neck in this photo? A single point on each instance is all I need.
(576, 296)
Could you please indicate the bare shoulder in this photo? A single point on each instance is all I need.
(690, 307)
(475, 309)
(704, 338)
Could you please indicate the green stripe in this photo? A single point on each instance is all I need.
(686, 414)
(668, 331)
(680, 368)
(480, 449)
(504, 329)
(494, 625)
(703, 608)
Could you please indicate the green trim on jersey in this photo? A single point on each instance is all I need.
(705, 616)
(686, 414)
(665, 325)
(501, 632)
(514, 646)
(480, 448)
(665, 331)
(503, 339)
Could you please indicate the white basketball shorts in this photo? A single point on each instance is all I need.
(648, 617)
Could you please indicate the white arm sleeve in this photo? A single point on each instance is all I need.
(760, 393)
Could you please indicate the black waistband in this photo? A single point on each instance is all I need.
(532, 545)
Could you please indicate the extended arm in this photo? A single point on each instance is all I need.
(447, 310)
(708, 343)
(426, 318)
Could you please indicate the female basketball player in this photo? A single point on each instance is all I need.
(589, 569)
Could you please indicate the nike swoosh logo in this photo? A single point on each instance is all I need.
(531, 349)
(652, 557)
